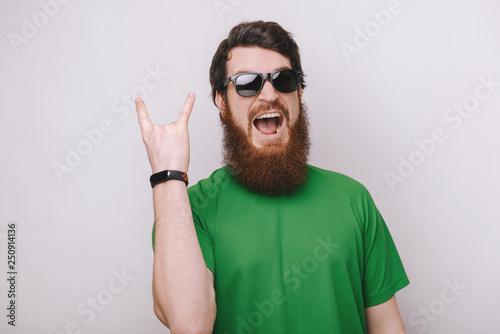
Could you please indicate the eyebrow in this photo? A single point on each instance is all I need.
(278, 69)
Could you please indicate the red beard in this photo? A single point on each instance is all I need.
(270, 170)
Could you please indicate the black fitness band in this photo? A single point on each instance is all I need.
(168, 175)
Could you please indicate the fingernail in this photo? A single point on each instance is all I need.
(137, 99)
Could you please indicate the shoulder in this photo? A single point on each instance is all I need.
(350, 189)
(343, 185)
(347, 184)
(207, 189)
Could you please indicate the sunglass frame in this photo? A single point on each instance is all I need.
(264, 77)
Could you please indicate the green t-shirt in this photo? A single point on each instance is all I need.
(309, 262)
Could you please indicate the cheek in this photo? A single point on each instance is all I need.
(240, 117)
(242, 121)
(294, 109)
(240, 112)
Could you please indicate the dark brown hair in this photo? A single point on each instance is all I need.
(267, 35)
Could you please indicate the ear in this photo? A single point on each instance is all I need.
(300, 91)
(219, 101)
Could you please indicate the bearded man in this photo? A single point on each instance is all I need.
(267, 243)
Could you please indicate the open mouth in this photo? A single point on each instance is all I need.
(269, 123)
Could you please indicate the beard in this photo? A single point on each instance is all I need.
(274, 169)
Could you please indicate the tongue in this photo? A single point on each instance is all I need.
(267, 126)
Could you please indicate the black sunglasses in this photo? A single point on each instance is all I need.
(250, 84)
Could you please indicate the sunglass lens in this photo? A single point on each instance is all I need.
(248, 84)
(285, 81)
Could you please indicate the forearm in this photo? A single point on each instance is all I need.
(182, 285)
(384, 318)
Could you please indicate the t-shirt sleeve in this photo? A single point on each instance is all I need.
(206, 244)
(383, 273)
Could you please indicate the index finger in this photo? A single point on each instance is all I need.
(186, 110)
(142, 114)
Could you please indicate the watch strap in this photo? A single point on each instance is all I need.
(168, 175)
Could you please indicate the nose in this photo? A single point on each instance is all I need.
(268, 93)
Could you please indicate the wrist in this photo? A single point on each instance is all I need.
(161, 168)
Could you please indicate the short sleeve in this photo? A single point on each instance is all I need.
(206, 244)
(383, 273)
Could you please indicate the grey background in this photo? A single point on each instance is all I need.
(76, 231)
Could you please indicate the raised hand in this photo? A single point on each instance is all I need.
(167, 145)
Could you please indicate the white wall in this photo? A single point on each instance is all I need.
(78, 231)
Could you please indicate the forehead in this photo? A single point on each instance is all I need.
(255, 59)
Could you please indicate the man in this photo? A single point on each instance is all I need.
(267, 243)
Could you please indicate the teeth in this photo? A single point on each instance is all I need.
(278, 128)
(271, 115)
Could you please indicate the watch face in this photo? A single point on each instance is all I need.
(168, 175)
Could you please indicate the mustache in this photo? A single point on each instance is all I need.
(275, 105)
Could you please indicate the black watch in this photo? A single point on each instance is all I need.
(168, 175)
